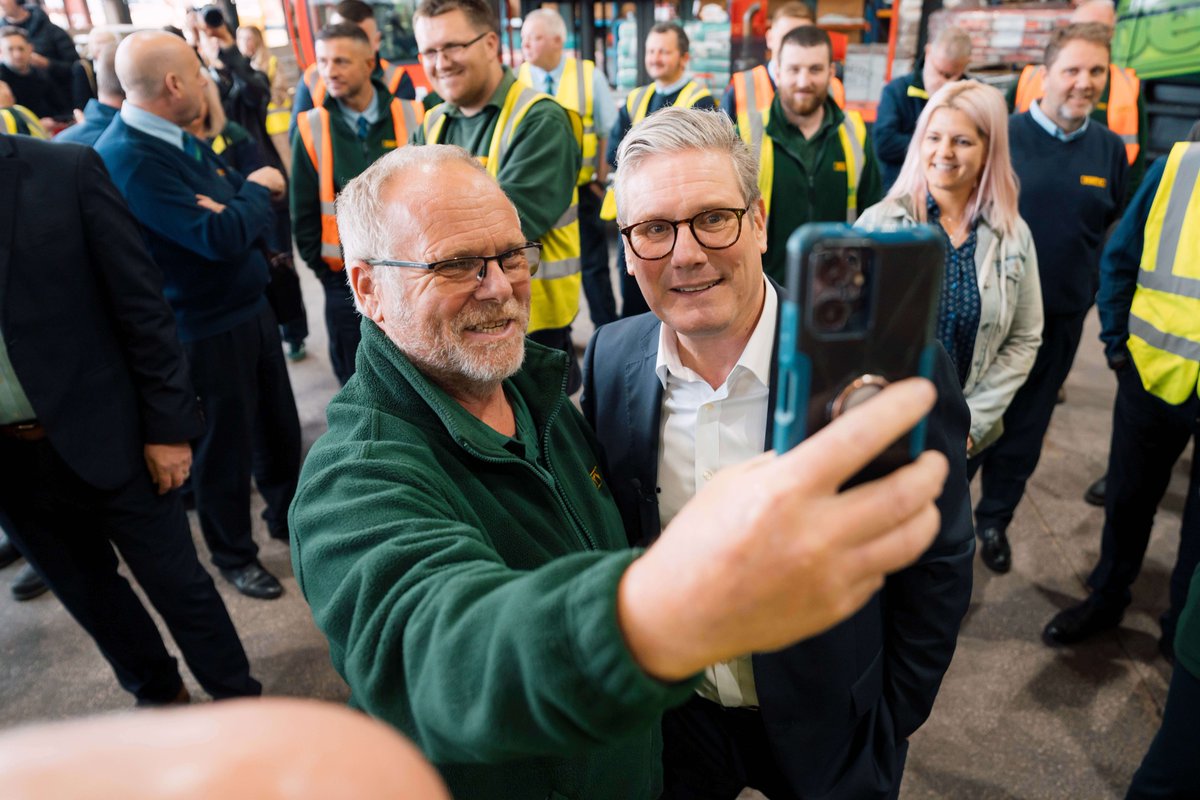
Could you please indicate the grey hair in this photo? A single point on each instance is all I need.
(952, 42)
(679, 130)
(551, 19)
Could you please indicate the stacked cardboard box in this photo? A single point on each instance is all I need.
(1003, 36)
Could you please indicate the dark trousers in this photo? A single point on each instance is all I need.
(252, 428)
(341, 324)
(712, 753)
(560, 339)
(632, 301)
(1008, 464)
(597, 278)
(1170, 768)
(67, 530)
(1148, 436)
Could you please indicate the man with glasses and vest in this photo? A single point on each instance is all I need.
(811, 154)
(1073, 175)
(1120, 106)
(359, 121)
(666, 62)
(530, 144)
(310, 91)
(754, 89)
(579, 86)
(1149, 307)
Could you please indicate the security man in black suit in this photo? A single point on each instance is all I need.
(96, 415)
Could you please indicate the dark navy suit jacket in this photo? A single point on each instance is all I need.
(840, 706)
(82, 313)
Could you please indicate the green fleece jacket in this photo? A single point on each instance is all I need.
(351, 157)
(469, 594)
(808, 186)
(538, 171)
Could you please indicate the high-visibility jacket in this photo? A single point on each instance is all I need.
(753, 91)
(1164, 317)
(576, 91)
(392, 75)
(852, 133)
(318, 141)
(279, 115)
(20, 120)
(637, 104)
(1122, 112)
(555, 289)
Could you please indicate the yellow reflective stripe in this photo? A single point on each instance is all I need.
(10, 120)
(917, 92)
(435, 120)
(691, 94)
(1165, 228)
(852, 133)
(764, 152)
(639, 99)
(220, 144)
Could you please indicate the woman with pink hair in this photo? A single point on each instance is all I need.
(958, 177)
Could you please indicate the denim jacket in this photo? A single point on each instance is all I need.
(1010, 319)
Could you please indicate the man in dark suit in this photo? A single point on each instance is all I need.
(673, 402)
(96, 412)
(207, 228)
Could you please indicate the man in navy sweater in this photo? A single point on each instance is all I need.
(946, 59)
(1073, 174)
(100, 110)
(206, 226)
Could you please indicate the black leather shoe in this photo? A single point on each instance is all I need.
(182, 698)
(253, 580)
(994, 550)
(1095, 493)
(28, 585)
(8, 552)
(1080, 622)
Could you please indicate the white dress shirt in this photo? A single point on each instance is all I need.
(704, 430)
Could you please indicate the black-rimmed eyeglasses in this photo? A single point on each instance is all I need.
(518, 263)
(450, 51)
(713, 229)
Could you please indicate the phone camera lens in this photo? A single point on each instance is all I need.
(831, 313)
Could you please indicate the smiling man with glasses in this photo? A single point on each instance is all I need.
(528, 142)
(679, 394)
(457, 538)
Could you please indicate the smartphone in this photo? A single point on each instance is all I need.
(861, 313)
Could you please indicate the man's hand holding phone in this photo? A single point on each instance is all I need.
(771, 552)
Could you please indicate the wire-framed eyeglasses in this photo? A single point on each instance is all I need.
(518, 263)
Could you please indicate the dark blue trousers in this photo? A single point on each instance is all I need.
(1170, 769)
(1148, 436)
(252, 430)
(1008, 464)
(67, 530)
(597, 277)
(341, 324)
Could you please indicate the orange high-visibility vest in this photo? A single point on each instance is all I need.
(392, 75)
(753, 91)
(1122, 112)
(318, 141)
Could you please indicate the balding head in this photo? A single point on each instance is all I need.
(1101, 11)
(161, 74)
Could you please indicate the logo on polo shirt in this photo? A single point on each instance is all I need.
(839, 166)
(1093, 180)
(597, 481)
(389, 143)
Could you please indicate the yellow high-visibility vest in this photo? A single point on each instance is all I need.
(556, 287)
(576, 91)
(19, 120)
(1164, 318)
(279, 115)
(637, 104)
(852, 133)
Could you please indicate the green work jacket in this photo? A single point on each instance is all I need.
(810, 181)
(543, 151)
(469, 593)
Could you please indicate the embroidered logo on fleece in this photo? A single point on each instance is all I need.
(1094, 180)
(597, 481)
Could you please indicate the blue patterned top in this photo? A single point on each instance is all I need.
(958, 310)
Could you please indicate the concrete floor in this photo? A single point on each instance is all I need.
(1015, 719)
